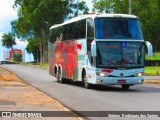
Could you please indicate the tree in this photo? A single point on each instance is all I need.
(17, 57)
(8, 40)
(32, 47)
(33, 15)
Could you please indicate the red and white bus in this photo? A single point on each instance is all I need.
(101, 49)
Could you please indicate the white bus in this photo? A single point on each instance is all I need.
(100, 49)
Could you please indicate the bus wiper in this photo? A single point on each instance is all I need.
(123, 61)
(110, 62)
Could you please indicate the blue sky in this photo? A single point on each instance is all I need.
(8, 14)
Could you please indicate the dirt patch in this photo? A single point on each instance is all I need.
(152, 81)
(7, 76)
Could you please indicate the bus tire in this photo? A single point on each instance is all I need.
(86, 84)
(59, 76)
(125, 87)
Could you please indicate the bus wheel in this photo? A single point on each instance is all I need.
(59, 76)
(86, 84)
(125, 87)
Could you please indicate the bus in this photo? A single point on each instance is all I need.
(98, 49)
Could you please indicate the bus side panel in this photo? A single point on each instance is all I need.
(64, 54)
(72, 57)
(51, 59)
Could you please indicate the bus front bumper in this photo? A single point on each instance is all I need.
(119, 80)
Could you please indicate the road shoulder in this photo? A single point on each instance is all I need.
(17, 95)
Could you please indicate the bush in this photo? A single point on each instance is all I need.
(17, 57)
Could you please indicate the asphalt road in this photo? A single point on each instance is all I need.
(74, 96)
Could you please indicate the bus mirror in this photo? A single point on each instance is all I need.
(93, 49)
(149, 47)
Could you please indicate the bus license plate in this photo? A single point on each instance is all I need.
(121, 81)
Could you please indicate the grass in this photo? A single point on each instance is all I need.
(156, 56)
(44, 65)
(153, 70)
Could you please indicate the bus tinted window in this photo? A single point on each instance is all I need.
(51, 36)
(108, 28)
(90, 29)
(65, 32)
(75, 30)
(90, 33)
(71, 31)
(82, 32)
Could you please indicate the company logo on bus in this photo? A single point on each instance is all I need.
(121, 74)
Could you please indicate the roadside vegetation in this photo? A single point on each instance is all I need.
(153, 70)
(17, 58)
(156, 56)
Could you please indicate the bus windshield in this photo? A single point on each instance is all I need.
(120, 54)
(118, 28)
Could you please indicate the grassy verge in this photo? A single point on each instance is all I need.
(156, 56)
(44, 65)
(154, 70)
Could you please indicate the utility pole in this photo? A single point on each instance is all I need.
(130, 7)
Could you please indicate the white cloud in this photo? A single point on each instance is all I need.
(1, 33)
(7, 14)
(21, 43)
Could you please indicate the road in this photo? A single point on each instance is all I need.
(75, 97)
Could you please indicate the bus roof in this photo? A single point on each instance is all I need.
(105, 15)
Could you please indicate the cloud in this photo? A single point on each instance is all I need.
(1, 33)
(21, 43)
(7, 14)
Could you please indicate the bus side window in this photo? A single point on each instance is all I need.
(65, 32)
(53, 34)
(71, 31)
(76, 30)
(90, 37)
(90, 29)
(60, 33)
(82, 33)
(90, 33)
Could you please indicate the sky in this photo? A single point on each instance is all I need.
(8, 14)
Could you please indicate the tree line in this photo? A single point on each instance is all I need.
(36, 16)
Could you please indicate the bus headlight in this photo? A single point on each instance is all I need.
(139, 74)
(101, 74)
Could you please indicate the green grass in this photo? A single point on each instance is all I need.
(44, 65)
(154, 70)
(156, 56)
